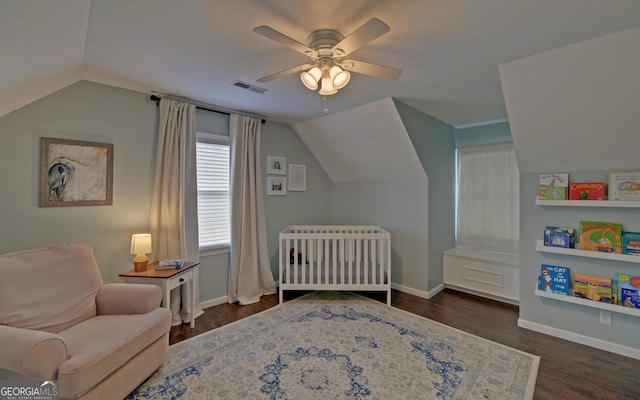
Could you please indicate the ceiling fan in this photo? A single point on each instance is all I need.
(327, 49)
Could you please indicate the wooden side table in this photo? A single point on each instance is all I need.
(168, 279)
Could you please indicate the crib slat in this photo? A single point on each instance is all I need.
(334, 260)
(374, 246)
(381, 260)
(365, 251)
(303, 270)
(289, 245)
(342, 261)
(326, 261)
(317, 261)
(358, 259)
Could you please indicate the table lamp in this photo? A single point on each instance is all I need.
(140, 246)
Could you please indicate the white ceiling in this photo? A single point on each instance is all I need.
(449, 50)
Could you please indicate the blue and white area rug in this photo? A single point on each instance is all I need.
(340, 346)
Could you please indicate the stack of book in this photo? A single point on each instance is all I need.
(170, 264)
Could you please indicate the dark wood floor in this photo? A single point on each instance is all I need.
(568, 371)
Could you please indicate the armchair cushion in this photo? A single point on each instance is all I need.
(100, 345)
(127, 298)
(28, 296)
(29, 353)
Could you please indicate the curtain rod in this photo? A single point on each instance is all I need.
(203, 106)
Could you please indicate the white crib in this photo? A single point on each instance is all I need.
(335, 257)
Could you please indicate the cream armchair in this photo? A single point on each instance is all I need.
(58, 321)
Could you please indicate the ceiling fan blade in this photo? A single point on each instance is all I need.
(285, 73)
(376, 70)
(285, 40)
(370, 30)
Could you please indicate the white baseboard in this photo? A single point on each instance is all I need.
(416, 292)
(213, 302)
(396, 286)
(582, 339)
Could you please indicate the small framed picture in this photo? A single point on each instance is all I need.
(276, 186)
(276, 165)
(297, 178)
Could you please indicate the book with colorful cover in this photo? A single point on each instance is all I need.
(553, 186)
(587, 191)
(627, 290)
(631, 243)
(554, 279)
(624, 186)
(597, 288)
(170, 264)
(559, 237)
(601, 236)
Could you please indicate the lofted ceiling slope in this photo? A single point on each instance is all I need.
(365, 143)
(449, 50)
(595, 85)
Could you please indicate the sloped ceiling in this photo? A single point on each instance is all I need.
(449, 50)
(42, 47)
(583, 96)
(366, 143)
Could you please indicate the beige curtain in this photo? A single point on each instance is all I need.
(250, 274)
(174, 209)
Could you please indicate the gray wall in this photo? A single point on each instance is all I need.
(434, 142)
(576, 319)
(128, 119)
(401, 208)
(82, 111)
(312, 206)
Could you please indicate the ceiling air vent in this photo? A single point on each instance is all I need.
(247, 86)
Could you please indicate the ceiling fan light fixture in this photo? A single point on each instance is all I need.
(339, 77)
(310, 78)
(327, 87)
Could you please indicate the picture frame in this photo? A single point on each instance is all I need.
(297, 178)
(276, 165)
(276, 186)
(75, 173)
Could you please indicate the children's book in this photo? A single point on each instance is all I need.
(554, 279)
(592, 287)
(631, 243)
(601, 236)
(587, 191)
(624, 186)
(628, 290)
(553, 186)
(559, 237)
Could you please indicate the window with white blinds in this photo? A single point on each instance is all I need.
(214, 214)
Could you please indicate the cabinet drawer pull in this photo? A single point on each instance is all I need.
(181, 279)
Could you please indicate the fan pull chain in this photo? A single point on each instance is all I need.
(324, 100)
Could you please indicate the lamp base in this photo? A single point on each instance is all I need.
(140, 266)
(140, 262)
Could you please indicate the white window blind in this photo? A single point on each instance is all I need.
(488, 205)
(214, 214)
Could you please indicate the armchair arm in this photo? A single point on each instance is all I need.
(127, 298)
(34, 354)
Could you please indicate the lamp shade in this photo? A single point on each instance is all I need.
(141, 243)
(311, 78)
(339, 77)
(327, 87)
